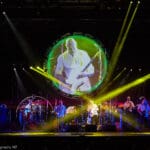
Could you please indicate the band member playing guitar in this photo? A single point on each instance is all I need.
(74, 67)
(92, 110)
(144, 112)
(128, 105)
(28, 110)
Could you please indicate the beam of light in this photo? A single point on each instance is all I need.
(53, 124)
(114, 79)
(109, 96)
(119, 74)
(32, 78)
(20, 83)
(129, 25)
(122, 89)
(126, 118)
(118, 49)
(50, 77)
(120, 43)
(106, 97)
(39, 68)
(115, 50)
(124, 80)
(123, 25)
(21, 40)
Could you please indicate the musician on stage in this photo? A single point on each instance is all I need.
(60, 111)
(128, 106)
(92, 110)
(144, 112)
(74, 68)
(26, 114)
(28, 110)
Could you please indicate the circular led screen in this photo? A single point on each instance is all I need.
(78, 64)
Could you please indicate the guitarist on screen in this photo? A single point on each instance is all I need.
(74, 67)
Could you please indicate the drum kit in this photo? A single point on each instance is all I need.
(33, 111)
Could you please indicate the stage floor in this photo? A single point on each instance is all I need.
(75, 140)
(73, 134)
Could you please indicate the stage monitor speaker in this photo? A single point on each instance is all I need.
(73, 128)
(109, 128)
(90, 128)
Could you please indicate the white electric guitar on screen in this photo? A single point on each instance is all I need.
(78, 80)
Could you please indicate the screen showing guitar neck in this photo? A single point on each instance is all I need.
(78, 63)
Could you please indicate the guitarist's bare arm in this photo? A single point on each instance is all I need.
(60, 77)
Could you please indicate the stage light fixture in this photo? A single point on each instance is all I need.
(4, 13)
(131, 70)
(140, 69)
(131, 2)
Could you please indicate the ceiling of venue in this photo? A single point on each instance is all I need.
(40, 23)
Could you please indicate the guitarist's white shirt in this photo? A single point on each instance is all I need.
(73, 66)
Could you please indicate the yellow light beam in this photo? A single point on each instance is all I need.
(128, 28)
(119, 74)
(106, 97)
(97, 100)
(115, 54)
(123, 25)
(39, 68)
(122, 89)
(48, 76)
(114, 79)
(126, 118)
(117, 92)
(117, 50)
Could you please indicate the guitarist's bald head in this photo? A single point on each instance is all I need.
(71, 45)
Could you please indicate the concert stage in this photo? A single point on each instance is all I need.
(75, 140)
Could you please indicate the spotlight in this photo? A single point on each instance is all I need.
(38, 67)
(23, 69)
(140, 69)
(131, 2)
(4, 13)
(14, 69)
(131, 70)
(31, 67)
(139, 2)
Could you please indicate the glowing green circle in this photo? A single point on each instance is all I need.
(92, 47)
